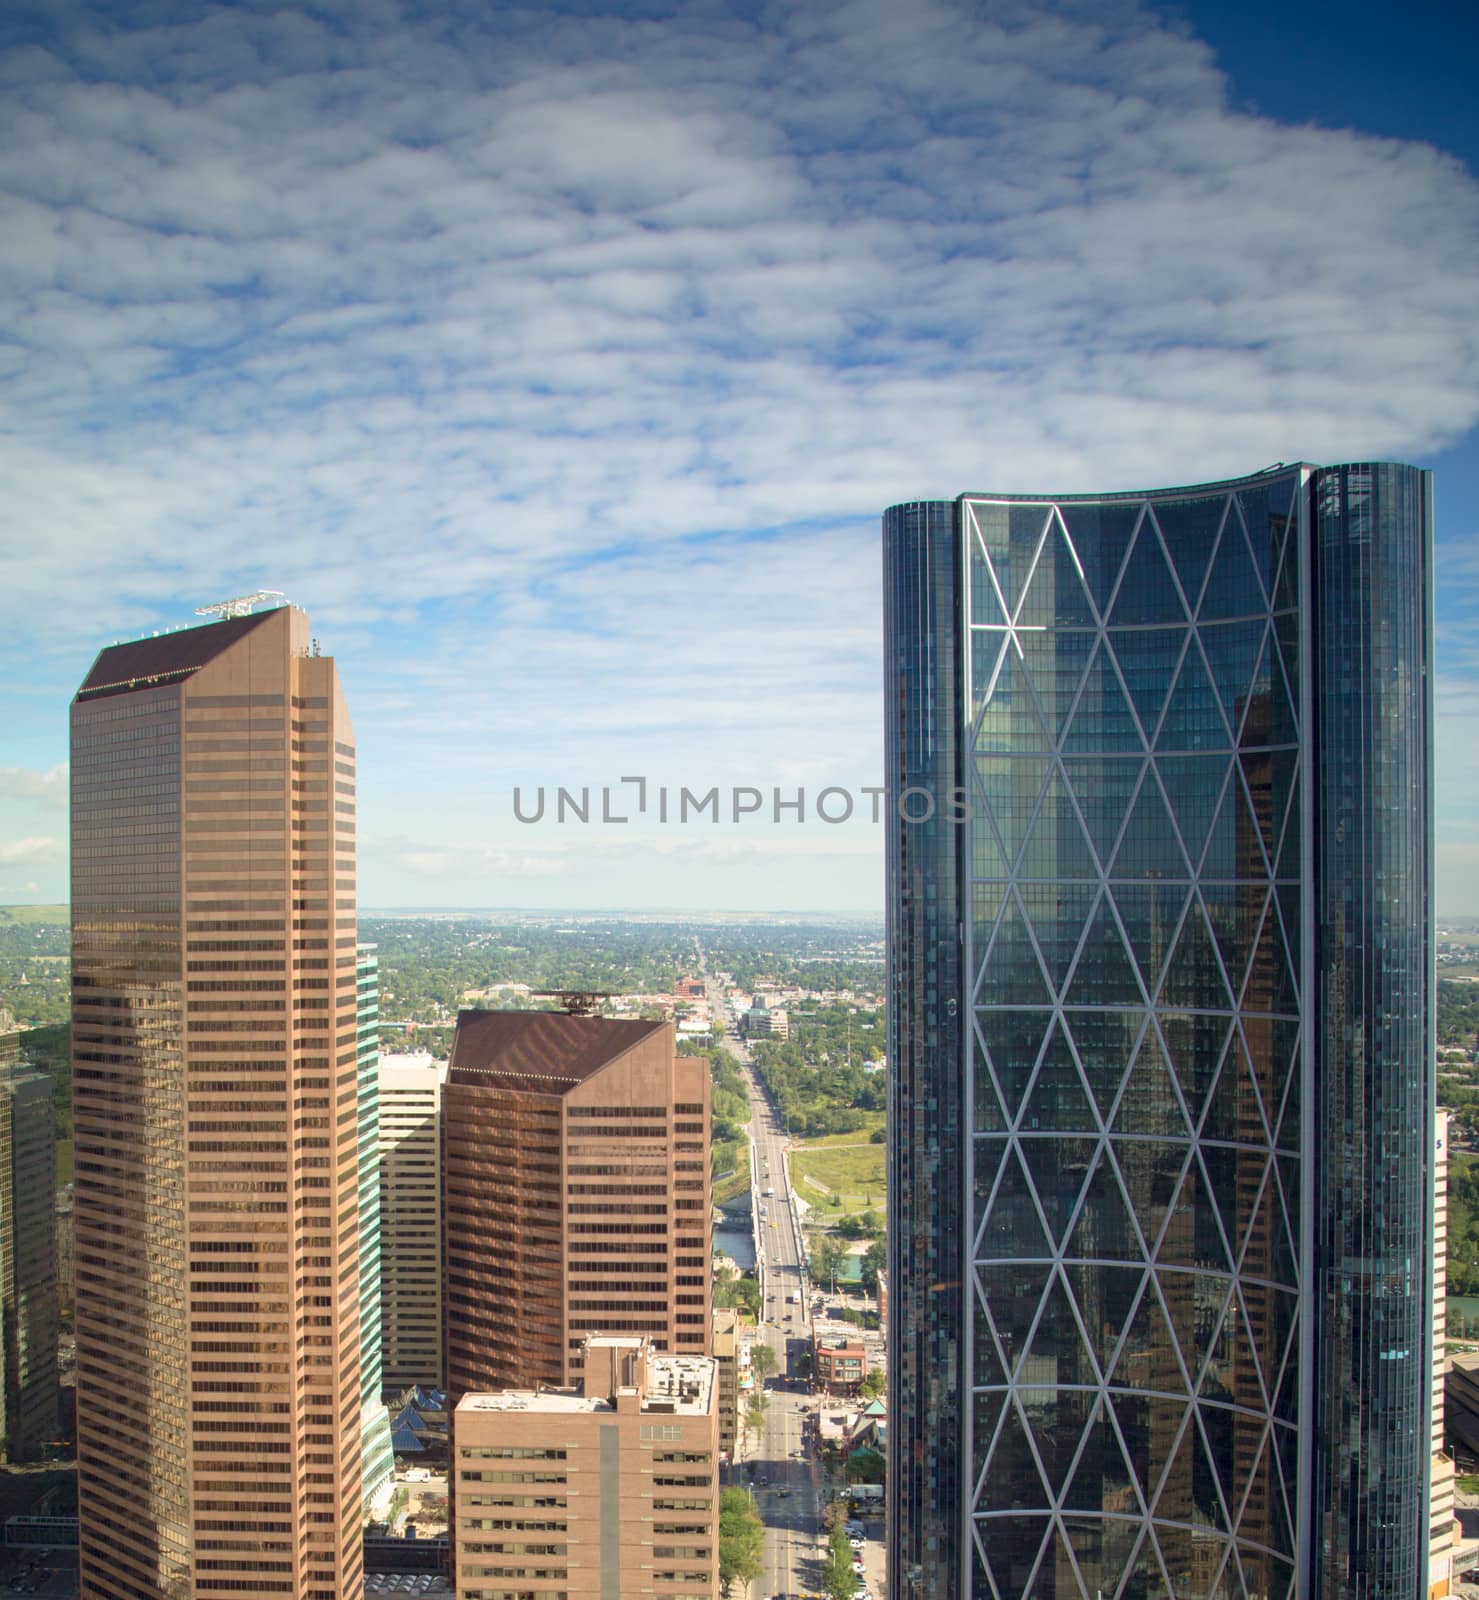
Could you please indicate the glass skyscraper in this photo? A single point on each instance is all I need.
(1161, 1118)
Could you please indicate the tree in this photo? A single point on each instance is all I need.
(865, 1466)
(762, 1361)
(875, 1260)
(838, 1578)
(826, 1259)
(874, 1385)
(741, 1539)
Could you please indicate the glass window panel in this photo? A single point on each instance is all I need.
(1057, 1418)
(1058, 1100)
(1011, 974)
(1013, 1228)
(1103, 720)
(1057, 913)
(1147, 592)
(1104, 975)
(1103, 1232)
(1149, 1104)
(1012, 1481)
(1013, 1041)
(1057, 846)
(1009, 790)
(1104, 1042)
(1103, 789)
(1055, 662)
(1194, 972)
(1232, 585)
(1151, 1169)
(1149, 1424)
(1149, 847)
(1101, 535)
(1059, 1167)
(1058, 596)
(1147, 659)
(1193, 717)
(1058, 1353)
(1006, 714)
(1189, 530)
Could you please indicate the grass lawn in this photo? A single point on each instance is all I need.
(738, 1181)
(64, 1161)
(1470, 1485)
(854, 1173)
(34, 915)
(830, 1141)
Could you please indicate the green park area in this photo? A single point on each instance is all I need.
(839, 1179)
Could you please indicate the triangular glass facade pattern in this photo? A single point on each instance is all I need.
(1131, 1219)
(1141, 1112)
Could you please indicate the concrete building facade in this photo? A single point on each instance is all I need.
(411, 1218)
(377, 1457)
(215, 1110)
(726, 1355)
(598, 1489)
(576, 1196)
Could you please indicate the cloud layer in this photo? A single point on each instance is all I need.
(561, 363)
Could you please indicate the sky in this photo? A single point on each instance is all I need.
(560, 360)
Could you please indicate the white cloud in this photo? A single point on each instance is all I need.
(21, 783)
(36, 849)
(563, 363)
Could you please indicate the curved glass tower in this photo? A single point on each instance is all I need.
(1162, 1099)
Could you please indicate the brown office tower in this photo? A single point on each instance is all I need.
(613, 1476)
(575, 1179)
(214, 1105)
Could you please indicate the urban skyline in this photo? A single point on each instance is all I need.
(1161, 1041)
(350, 310)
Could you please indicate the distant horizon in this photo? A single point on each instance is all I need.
(628, 914)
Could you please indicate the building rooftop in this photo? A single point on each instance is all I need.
(676, 1386)
(539, 1052)
(165, 658)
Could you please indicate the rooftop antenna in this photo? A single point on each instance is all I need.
(242, 605)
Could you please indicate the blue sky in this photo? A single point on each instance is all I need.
(559, 362)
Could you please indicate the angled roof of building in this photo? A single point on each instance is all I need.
(147, 663)
(538, 1052)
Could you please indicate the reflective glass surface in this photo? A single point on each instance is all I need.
(1135, 1008)
(1373, 1025)
(926, 1039)
(1189, 1112)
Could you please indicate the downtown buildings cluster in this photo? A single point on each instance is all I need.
(1162, 1188)
(230, 1238)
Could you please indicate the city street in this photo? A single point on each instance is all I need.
(782, 1464)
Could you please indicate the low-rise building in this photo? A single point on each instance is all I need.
(609, 1486)
(839, 1364)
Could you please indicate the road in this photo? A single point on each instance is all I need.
(782, 1465)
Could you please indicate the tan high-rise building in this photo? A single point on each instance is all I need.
(602, 1488)
(575, 1180)
(214, 1107)
(411, 1218)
